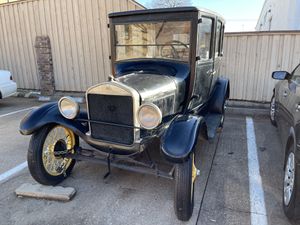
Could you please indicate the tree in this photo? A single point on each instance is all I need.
(170, 3)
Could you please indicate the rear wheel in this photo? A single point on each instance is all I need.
(185, 176)
(46, 154)
(273, 111)
(223, 116)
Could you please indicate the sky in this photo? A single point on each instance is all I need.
(240, 15)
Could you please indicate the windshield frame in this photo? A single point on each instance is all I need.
(191, 17)
(172, 14)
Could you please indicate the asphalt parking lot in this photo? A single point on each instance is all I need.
(222, 191)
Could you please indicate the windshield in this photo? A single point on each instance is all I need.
(166, 40)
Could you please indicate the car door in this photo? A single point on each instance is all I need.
(218, 53)
(204, 64)
(289, 97)
(294, 98)
(282, 96)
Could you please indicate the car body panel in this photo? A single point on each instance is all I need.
(287, 98)
(181, 137)
(7, 86)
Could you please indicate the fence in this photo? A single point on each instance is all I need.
(80, 47)
(79, 38)
(250, 58)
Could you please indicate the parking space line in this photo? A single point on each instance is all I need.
(257, 199)
(18, 111)
(8, 174)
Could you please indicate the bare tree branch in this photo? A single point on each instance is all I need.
(170, 3)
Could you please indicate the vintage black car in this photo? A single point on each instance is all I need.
(285, 114)
(164, 86)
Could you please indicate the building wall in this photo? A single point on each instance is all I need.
(250, 59)
(79, 37)
(279, 15)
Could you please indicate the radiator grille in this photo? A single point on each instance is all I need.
(111, 109)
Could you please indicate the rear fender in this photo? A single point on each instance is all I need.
(181, 137)
(219, 96)
(49, 114)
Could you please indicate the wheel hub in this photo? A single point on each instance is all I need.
(60, 148)
(289, 179)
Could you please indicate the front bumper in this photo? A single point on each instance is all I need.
(110, 146)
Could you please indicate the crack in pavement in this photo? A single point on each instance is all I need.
(209, 173)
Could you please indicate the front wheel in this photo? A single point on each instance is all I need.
(46, 154)
(185, 176)
(291, 192)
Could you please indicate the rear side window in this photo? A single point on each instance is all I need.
(296, 75)
(218, 48)
(205, 38)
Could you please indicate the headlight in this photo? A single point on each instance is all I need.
(149, 116)
(68, 107)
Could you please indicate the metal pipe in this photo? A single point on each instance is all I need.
(136, 169)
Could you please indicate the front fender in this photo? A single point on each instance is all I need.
(49, 114)
(181, 137)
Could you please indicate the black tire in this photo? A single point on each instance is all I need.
(273, 111)
(223, 116)
(35, 161)
(184, 190)
(292, 209)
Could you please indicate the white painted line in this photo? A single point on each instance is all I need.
(18, 111)
(257, 198)
(8, 174)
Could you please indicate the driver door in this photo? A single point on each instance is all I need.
(290, 102)
(204, 63)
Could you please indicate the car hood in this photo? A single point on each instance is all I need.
(150, 87)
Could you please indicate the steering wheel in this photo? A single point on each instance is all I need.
(174, 51)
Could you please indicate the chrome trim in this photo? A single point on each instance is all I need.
(158, 111)
(136, 146)
(77, 108)
(116, 88)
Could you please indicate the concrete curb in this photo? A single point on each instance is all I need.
(235, 107)
(34, 94)
(45, 192)
(254, 112)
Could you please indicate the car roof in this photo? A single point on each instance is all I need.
(163, 10)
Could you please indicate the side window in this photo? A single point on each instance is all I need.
(218, 45)
(204, 38)
(296, 75)
(222, 38)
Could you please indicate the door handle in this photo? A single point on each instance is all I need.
(211, 72)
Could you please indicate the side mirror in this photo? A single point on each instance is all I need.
(280, 75)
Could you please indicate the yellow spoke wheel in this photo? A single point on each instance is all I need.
(59, 139)
(47, 161)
